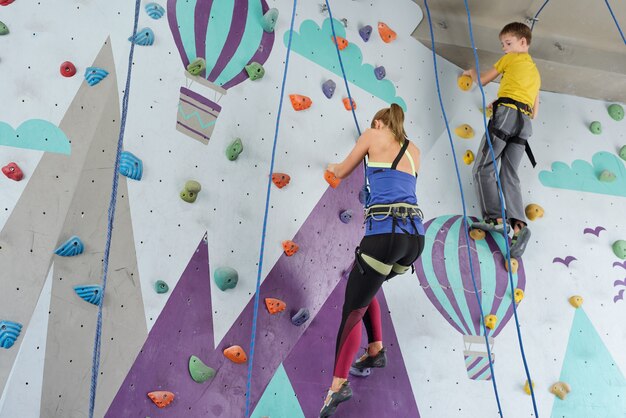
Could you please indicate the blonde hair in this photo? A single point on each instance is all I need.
(393, 118)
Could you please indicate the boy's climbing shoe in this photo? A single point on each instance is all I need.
(519, 242)
(490, 225)
(362, 366)
(333, 399)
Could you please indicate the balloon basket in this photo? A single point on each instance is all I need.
(476, 357)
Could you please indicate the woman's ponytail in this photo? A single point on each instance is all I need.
(393, 118)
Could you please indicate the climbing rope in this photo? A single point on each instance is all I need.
(111, 217)
(265, 215)
(466, 226)
(535, 19)
(615, 20)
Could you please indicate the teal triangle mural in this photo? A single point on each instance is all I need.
(598, 386)
(279, 399)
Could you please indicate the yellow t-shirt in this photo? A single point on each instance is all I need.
(520, 77)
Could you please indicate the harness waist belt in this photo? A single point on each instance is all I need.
(521, 106)
(396, 210)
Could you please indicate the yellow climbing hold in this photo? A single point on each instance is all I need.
(477, 234)
(576, 301)
(514, 263)
(534, 211)
(464, 131)
(491, 321)
(464, 82)
(527, 387)
(518, 295)
(489, 112)
(468, 157)
(560, 389)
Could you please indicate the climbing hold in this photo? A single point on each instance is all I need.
(560, 389)
(595, 127)
(234, 149)
(13, 171)
(290, 248)
(190, 192)
(275, 306)
(329, 88)
(9, 333)
(488, 111)
(161, 398)
(225, 278)
(464, 131)
(380, 72)
(619, 248)
(518, 295)
(155, 10)
(364, 194)
(281, 179)
(346, 216)
(196, 66)
(514, 263)
(331, 179)
(130, 166)
(360, 372)
(68, 69)
(161, 287)
(385, 32)
(477, 234)
(342, 43)
(90, 293)
(527, 387)
(199, 371)
(616, 111)
(622, 153)
(300, 317)
(71, 247)
(255, 71)
(606, 176)
(300, 102)
(236, 354)
(4, 29)
(348, 105)
(490, 321)
(576, 301)
(365, 32)
(534, 211)
(6, 2)
(144, 37)
(269, 20)
(464, 82)
(94, 75)
(468, 157)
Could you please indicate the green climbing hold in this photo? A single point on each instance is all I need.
(4, 29)
(196, 66)
(607, 177)
(619, 248)
(225, 278)
(269, 20)
(190, 192)
(199, 371)
(622, 153)
(616, 111)
(234, 149)
(161, 287)
(595, 127)
(255, 71)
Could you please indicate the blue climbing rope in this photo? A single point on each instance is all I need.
(501, 197)
(615, 20)
(265, 215)
(535, 19)
(466, 227)
(111, 217)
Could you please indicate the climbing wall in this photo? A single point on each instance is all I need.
(62, 133)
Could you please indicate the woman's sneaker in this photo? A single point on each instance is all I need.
(361, 366)
(333, 399)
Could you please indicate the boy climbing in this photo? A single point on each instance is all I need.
(509, 129)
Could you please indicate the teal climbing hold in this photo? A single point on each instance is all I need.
(269, 20)
(199, 371)
(196, 66)
(144, 37)
(161, 287)
(255, 71)
(9, 333)
(4, 29)
(616, 111)
(234, 149)
(155, 10)
(71, 247)
(622, 153)
(607, 177)
(94, 75)
(190, 192)
(595, 127)
(130, 166)
(619, 248)
(90, 293)
(225, 278)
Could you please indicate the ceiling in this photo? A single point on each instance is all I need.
(576, 44)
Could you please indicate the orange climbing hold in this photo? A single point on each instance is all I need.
(236, 354)
(161, 398)
(349, 105)
(300, 102)
(331, 179)
(342, 43)
(281, 179)
(385, 32)
(290, 248)
(275, 305)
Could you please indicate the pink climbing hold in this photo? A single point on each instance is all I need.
(13, 172)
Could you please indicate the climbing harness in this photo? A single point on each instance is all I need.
(513, 138)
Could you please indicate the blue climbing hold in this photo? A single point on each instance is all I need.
(365, 32)
(364, 195)
(94, 75)
(90, 293)
(130, 166)
(346, 216)
(71, 247)
(329, 88)
(144, 37)
(225, 278)
(155, 10)
(300, 317)
(380, 72)
(9, 333)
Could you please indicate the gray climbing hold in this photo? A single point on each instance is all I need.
(619, 248)
(225, 278)
(329, 88)
(196, 66)
(71, 247)
(199, 371)
(161, 287)
(360, 372)
(130, 166)
(190, 192)
(616, 111)
(300, 317)
(269, 20)
(379, 72)
(255, 71)
(622, 153)
(144, 37)
(346, 216)
(4, 29)
(9, 333)
(234, 149)
(595, 127)
(607, 177)
(365, 32)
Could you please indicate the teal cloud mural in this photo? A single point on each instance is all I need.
(36, 134)
(315, 43)
(584, 177)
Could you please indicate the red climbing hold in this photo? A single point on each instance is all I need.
(236, 354)
(13, 172)
(290, 248)
(342, 43)
(331, 179)
(281, 179)
(385, 32)
(161, 398)
(300, 102)
(67, 69)
(275, 305)
(6, 2)
(348, 105)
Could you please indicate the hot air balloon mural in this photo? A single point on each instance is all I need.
(219, 38)
(444, 274)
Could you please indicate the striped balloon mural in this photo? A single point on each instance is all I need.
(227, 35)
(444, 273)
